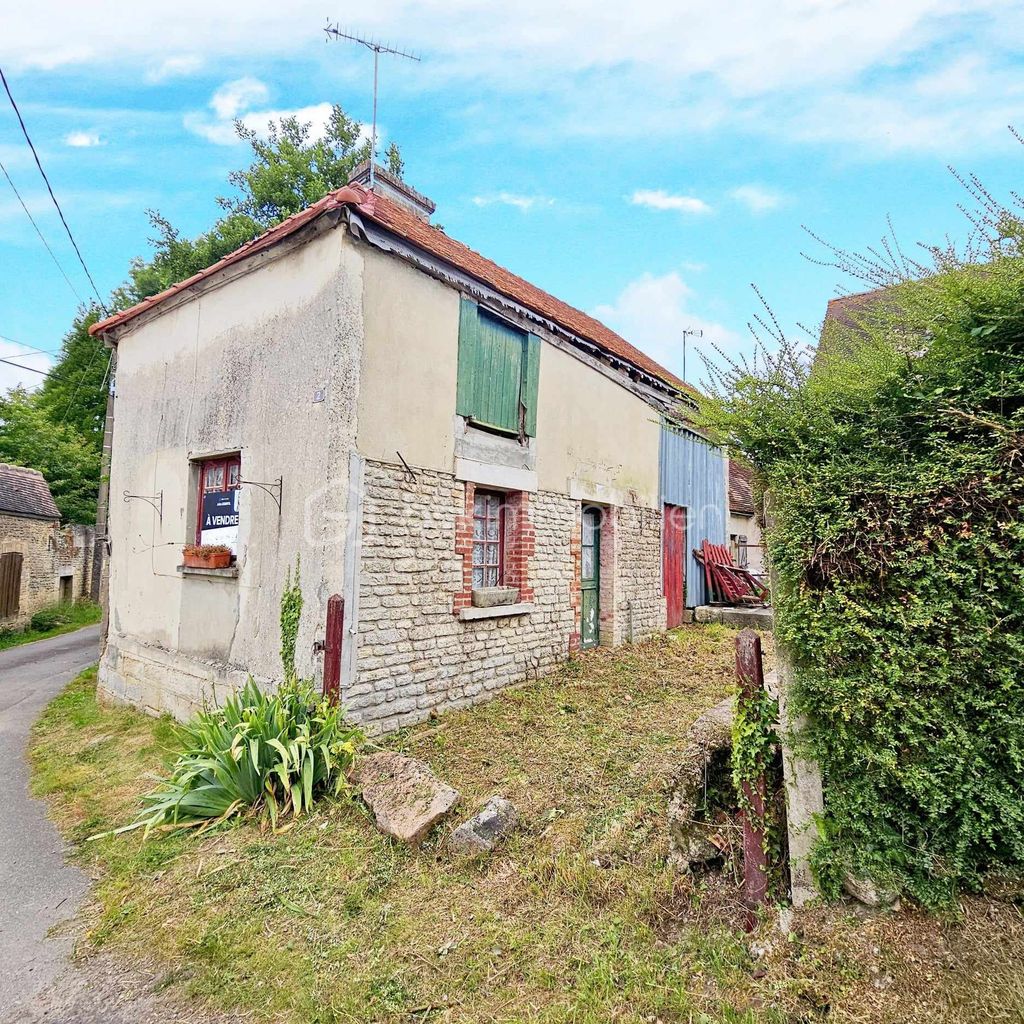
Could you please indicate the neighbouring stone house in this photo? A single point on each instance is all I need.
(41, 562)
(475, 471)
(745, 540)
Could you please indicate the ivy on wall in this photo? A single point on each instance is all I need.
(896, 471)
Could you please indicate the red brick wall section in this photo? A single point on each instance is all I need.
(519, 544)
(464, 547)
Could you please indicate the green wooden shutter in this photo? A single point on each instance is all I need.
(498, 369)
(468, 345)
(531, 376)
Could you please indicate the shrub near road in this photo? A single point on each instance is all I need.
(896, 471)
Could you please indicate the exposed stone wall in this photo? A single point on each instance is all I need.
(49, 552)
(34, 538)
(416, 655)
(639, 600)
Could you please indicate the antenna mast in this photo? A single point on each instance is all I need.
(692, 334)
(378, 48)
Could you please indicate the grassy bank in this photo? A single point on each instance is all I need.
(52, 621)
(577, 918)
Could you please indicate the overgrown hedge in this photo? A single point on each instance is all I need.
(896, 473)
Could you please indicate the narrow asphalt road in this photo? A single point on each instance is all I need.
(39, 888)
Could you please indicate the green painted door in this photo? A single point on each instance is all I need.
(590, 578)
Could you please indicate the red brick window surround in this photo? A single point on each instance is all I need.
(495, 538)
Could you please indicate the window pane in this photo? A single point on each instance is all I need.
(588, 563)
(478, 529)
(492, 554)
(492, 529)
(478, 578)
(588, 528)
(215, 476)
(492, 577)
(479, 504)
(233, 474)
(478, 554)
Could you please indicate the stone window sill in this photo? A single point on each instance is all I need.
(230, 573)
(501, 611)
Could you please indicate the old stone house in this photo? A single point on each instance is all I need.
(477, 473)
(41, 562)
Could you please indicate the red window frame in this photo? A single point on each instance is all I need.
(230, 468)
(488, 539)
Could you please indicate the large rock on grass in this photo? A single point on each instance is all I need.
(497, 819)
(406, 797)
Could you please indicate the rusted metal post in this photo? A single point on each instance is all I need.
(750, 675)
(332, 647)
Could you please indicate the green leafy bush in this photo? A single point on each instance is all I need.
(272, 754)
(895, 468)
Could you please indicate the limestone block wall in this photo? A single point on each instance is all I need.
(35, 539)
(416, 655)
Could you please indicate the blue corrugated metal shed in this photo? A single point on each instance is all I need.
(693, 474)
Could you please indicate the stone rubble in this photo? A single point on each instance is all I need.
(406, 797)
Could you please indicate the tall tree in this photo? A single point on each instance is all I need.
(74, 394)
(68, 460)
(289, 170)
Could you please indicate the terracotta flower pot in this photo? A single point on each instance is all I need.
(199, 559)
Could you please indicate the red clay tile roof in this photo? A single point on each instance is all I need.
(406, 225)
(846, 308)
(741, 489)
(24, 492)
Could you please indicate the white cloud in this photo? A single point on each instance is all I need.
(659, 199)
(757, 198)
(82, 139)
(766, 68)
(233, 98)
(234, 101)
(13, 376)
(174, 67)
(522, 203)
(653, 311)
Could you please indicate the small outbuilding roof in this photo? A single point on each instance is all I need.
(741, 489)
(25, 492)
(398, 220)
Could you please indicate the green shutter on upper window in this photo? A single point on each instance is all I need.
(531, 377)
(468, 319)
(497, 371)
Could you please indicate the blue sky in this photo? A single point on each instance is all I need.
(646, 166)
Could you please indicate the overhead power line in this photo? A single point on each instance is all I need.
(33, 369)
(53, 256)
(25, 344)
(49, 188)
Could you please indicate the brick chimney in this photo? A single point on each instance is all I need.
(387, 184)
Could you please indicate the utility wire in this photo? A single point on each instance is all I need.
(32, 369)
(28, 139)
(25, 344)
(40, 234)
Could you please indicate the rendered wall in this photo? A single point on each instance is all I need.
(237, 368)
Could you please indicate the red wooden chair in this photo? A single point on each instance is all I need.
(727, 583)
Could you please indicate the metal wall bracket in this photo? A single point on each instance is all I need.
(275, 489)
(154, 500)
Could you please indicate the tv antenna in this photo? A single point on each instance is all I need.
(378, 48)
(692, 334)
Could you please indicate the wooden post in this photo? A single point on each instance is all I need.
(332, 647)
(750, 675)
